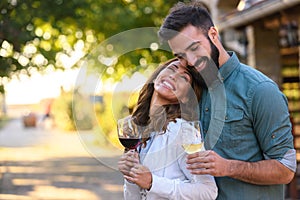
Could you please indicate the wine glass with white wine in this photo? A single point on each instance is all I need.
(192, 138)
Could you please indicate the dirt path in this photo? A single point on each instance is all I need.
(39, 164)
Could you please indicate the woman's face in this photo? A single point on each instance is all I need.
(172, 84)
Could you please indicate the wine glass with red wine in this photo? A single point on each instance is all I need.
(128, 132)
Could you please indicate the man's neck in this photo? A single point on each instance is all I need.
(223, 58)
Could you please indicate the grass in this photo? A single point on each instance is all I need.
(3, 121)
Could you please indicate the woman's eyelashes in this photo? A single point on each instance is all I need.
(185, 78)
(182, 75)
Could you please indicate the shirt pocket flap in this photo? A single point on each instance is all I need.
(231, 115)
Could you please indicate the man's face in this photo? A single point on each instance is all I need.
(194, 48)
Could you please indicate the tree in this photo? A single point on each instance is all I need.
(36, 34)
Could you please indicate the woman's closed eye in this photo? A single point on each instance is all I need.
(185, 78)
(182, 75)
(171, 68)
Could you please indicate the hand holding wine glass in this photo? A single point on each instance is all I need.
(192, 138)
(129, 136)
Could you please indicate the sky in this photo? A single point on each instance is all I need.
(31, 90)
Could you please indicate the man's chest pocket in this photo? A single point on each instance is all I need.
(234, 128)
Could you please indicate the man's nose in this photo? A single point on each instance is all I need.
(190, 59)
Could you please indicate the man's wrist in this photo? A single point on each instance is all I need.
(237, 168)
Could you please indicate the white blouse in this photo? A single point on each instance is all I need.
(166, 159)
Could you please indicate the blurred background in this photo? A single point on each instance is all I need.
(75, 66)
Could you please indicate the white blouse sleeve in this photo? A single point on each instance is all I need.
(176, 189)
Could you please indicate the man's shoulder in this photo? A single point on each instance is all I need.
(253, 75)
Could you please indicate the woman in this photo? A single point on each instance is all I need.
(158, 171)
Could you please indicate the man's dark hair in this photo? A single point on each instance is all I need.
(182, 15)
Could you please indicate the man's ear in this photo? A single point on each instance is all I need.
(213, 34)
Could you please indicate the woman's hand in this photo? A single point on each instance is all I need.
(141, 176)
(127, 161)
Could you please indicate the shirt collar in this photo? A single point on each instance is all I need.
(228, 67)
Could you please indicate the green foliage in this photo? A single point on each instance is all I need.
(63, 33)
(106, 123)
(62, 112)
(3, 120)
(72, 111)
(70, 114)
(35, 33)
(115, 106)
(82, 112)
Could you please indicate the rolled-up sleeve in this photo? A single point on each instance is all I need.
(274, 129)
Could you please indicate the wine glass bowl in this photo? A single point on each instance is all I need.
(191, 135)
(128, 132)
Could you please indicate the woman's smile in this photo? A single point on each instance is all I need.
(168, 85)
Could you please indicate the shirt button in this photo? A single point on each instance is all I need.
(206, 109)
(226, 118)
(273, 136)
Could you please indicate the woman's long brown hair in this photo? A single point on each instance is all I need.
(167, 113)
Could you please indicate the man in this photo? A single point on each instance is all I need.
(247, 128)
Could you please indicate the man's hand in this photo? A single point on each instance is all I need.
(208, 162)
(263, 172)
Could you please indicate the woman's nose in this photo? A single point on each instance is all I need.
(172, 76)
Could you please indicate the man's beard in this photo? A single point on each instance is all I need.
(210, 71)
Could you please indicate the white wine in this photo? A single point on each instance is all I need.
(192, 148)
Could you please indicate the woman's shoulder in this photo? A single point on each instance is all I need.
(177, 121)
(174, 126)
(180, 120)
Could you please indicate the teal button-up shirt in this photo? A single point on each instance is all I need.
(245, 117)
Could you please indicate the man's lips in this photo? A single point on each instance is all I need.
(201, 63)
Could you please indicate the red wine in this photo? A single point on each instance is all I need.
(130, 143)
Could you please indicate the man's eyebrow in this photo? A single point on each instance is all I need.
(182, 55)
(192, 44)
